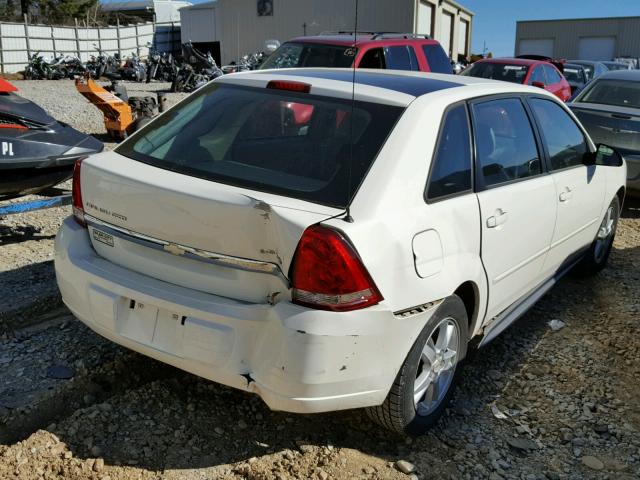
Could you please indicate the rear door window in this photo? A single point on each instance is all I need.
(537, 75)
(400, 58)
(552, 75)
(373, 58)
(436, 58)
(506, 149)
(451, 164)
(300, 145)
(565, 142)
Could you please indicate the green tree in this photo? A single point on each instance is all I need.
(61, 11)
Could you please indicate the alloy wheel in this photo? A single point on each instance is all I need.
(437, 367)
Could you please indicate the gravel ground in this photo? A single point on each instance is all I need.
(535, 404)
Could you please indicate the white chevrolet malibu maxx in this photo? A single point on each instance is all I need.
(331, 245)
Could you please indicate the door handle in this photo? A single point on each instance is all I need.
(498, 219)
(566, 195)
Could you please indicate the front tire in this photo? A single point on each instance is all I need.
(426, 380)
(598, 254)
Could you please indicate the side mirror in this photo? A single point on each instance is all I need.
(538, 84)
(605, 156)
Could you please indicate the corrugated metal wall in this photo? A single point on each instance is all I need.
(240, 30)
(567, 33)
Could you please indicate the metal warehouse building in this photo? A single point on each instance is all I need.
(584, 39)
(232, 28)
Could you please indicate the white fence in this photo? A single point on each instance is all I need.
(18, 41)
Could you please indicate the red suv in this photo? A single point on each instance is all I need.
(538, 73)
(394, 51)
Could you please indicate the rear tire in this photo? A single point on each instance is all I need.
(598, 254)
(426, 380)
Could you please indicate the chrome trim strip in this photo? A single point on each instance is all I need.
(188, 252)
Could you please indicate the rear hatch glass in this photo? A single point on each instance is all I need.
(299, 145)
(298, 54)
(498, 71)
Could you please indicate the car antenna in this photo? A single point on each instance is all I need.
(348, 218)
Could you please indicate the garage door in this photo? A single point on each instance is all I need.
(597, 48)
(425, 18)
(536, 46)
(463, 29)
(445, 33)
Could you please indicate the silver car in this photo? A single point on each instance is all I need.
(609, 108)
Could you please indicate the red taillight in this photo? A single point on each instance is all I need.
(299, 87)
(328, 274)
(13, 126)
(76, 193)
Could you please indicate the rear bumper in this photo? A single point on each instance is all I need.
(296, 359)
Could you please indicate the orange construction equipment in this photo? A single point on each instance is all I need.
(118, 115)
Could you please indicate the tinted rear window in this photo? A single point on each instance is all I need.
(622, 93)
(437, 59)
(297, 55)
(497, 71)
(286, 143)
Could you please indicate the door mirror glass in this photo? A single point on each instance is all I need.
(608, 156)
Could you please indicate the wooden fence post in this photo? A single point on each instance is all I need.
(99, 39)
(26, 35)
(137, 41)
(53, 40)
(77, 39)
(118, 32)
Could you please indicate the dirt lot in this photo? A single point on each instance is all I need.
(535, 404)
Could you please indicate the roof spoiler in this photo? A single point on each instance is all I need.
(557, 62)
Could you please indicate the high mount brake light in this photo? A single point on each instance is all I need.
(291, 86)
(328, 274)
(76, 194)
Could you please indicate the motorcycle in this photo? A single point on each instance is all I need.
(198, 70)
(103, 64)
(133, 69)
(39, 68)
(161, 66)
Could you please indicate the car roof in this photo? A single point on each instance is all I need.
(512, 61)
(573, 65)
(633, 75)
(584, 62)
(360, 39)
(392, 87)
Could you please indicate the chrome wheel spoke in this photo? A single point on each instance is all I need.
(445, 332)
(421, 384)
(429, 352)
(449, 359)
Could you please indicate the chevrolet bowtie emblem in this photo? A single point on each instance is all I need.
(174, 249)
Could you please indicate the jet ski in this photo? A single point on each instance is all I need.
(36, 151)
